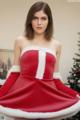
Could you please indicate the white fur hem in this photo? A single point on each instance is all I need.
(65, 113)
(2, 82)
(14, 68)
(57, 75)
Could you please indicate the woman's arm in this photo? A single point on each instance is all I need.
(14, 71)
(57, 77)
(16, 62)
(58, 53)
(17, 52)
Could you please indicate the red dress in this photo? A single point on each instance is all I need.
(36, 93)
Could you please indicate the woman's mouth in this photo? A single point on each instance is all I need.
(39, 28)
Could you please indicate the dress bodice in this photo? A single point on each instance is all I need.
(37, 62)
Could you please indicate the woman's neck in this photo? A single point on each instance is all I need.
(39, 38)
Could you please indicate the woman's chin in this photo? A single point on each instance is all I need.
(39, 32)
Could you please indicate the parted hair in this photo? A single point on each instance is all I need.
(40, 5)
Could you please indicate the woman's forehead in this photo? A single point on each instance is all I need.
(40, 13)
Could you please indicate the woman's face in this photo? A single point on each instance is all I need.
(39, 22)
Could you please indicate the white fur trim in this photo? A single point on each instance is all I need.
(57, 75)
(9, 118)
(78, 96)
(2, 82)
(41, 65)
(65, 113)
(36, 47)
(14, 68)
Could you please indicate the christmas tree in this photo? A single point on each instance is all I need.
(74, 78)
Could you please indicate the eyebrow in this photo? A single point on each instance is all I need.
(41, 17)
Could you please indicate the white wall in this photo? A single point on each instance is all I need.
(66, 24)
(12, 16)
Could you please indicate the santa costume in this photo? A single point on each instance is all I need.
(34, 91)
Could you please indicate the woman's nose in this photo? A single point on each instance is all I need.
(39, 22)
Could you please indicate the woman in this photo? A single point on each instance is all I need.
(33, 89)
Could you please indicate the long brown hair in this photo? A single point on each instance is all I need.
(29, 32)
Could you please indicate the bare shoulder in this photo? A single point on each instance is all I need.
(20, 41)
(57, 44)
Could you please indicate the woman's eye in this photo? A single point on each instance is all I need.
(34, 18)
(44, 18)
